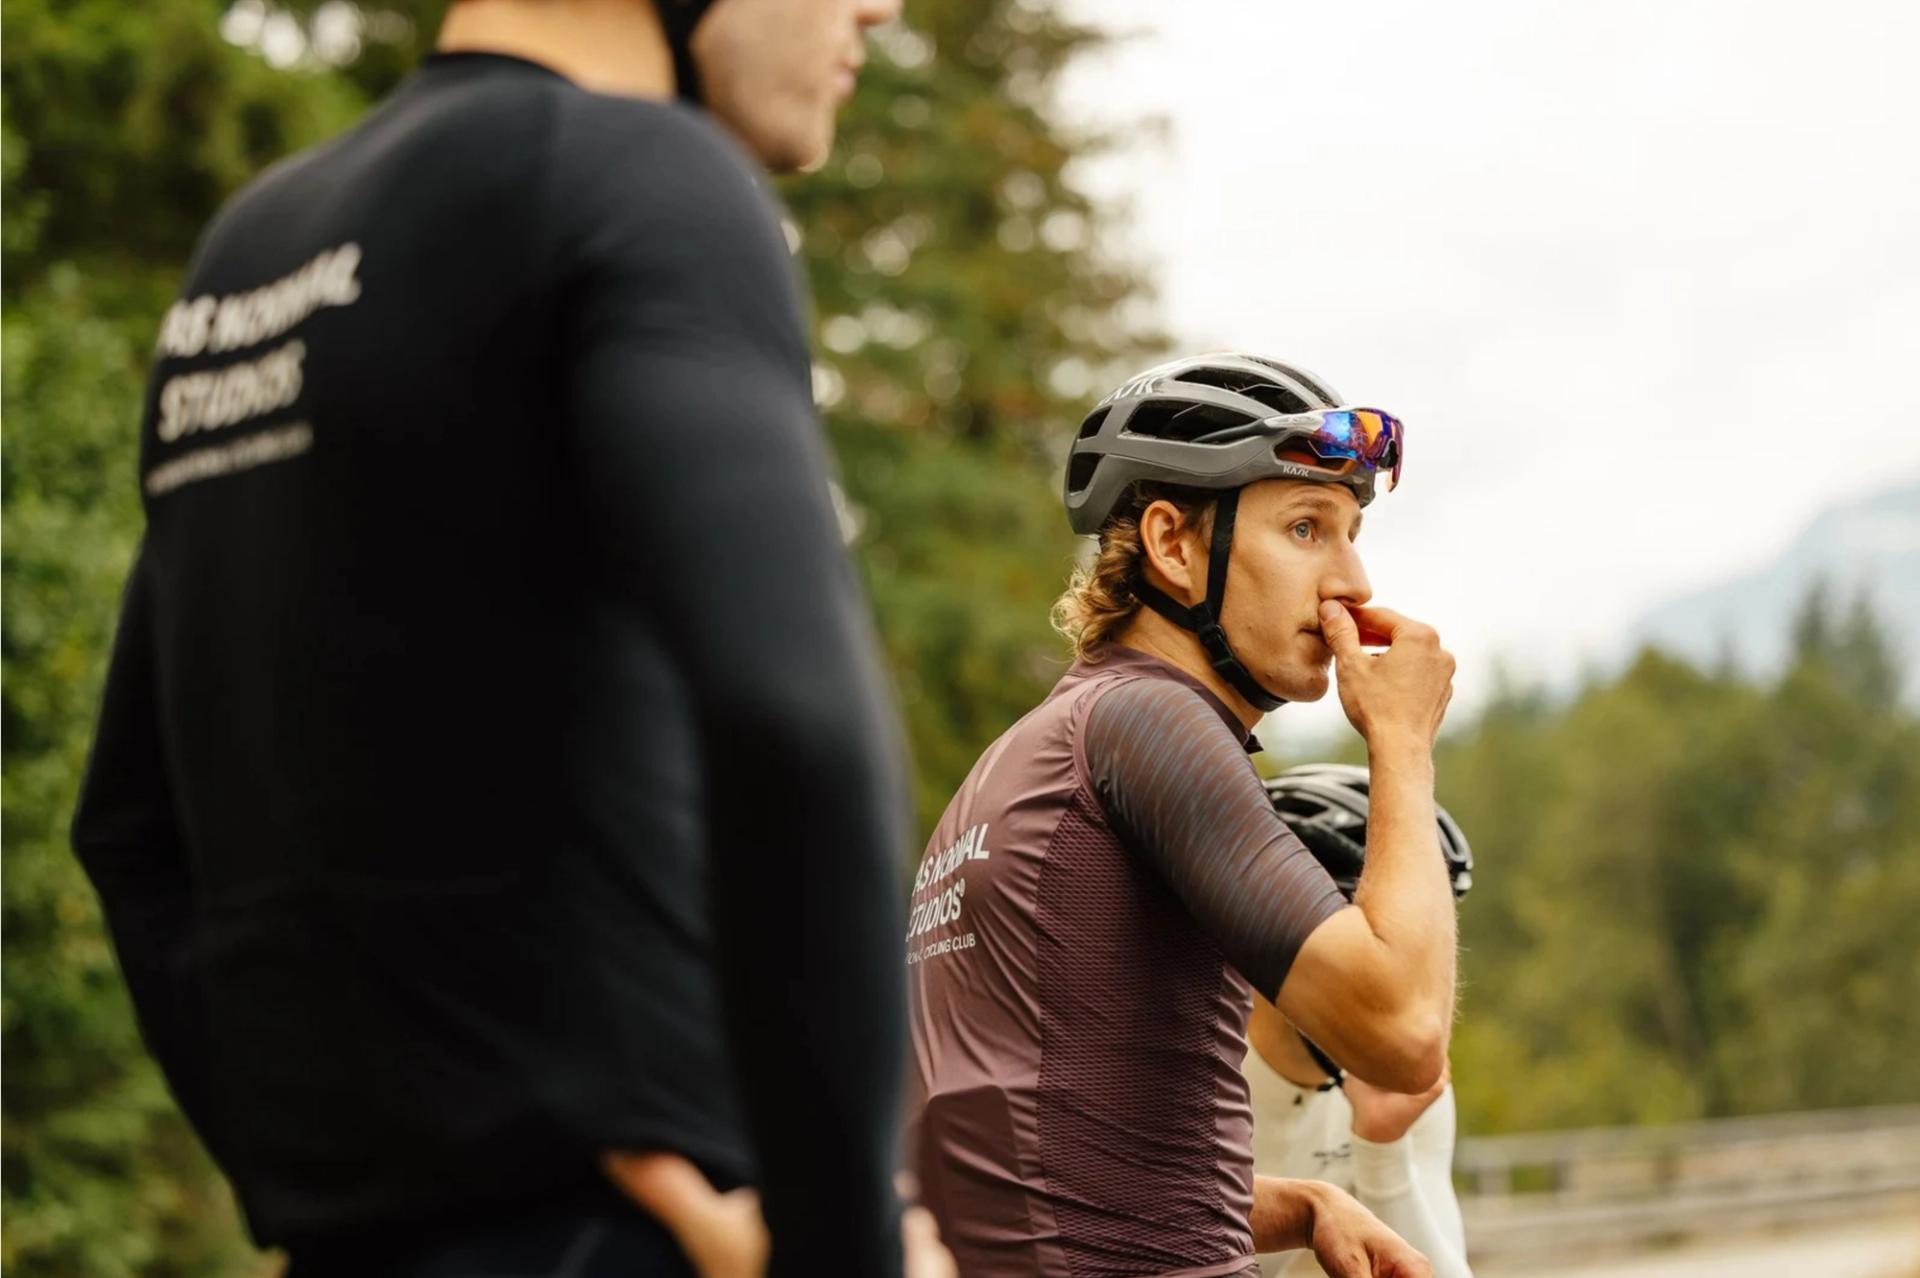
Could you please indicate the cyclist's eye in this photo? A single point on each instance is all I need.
(1302, 529)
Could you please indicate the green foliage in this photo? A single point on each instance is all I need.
(124, 128)
(964, 310)
(1695, 895)
(101, 1175)
(129, 124)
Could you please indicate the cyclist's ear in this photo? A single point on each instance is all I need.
(1172, 546)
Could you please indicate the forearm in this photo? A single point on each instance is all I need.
(1283, 1213)
(1404, 891)
(701, 477)
(808, 929)
(1344, 1236)
(807, 896)
(782, 665)
(1373, 985)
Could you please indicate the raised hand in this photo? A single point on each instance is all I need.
(1351, 1242)
(1402, 692)
(723, 1235)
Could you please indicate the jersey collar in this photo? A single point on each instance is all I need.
(484, 60)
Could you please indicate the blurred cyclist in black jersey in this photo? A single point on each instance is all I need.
(488, 529)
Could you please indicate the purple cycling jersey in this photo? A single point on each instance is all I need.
(1085, 925)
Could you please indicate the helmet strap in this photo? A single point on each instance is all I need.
(678, 18)
(1335, 1075)
(1203, 618)
(686, 76)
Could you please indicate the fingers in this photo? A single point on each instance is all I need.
(1370, 638)
(1381, 627)
(926, 1255)
(1395, 1257)
(665, 1184)
(918, 1228)
(1338, 629)
(1391, 625)
(722, 1235)
(1385, 1254)
(1409, 1265)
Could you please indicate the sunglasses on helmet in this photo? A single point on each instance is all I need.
(1375, 439)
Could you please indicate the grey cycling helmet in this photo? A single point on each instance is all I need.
(1326, 804)
(1221, 422)
(1204, 421)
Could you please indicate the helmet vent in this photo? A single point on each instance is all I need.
(1327, 398)
(1080, 471)
(1278, 398)
(1095, 420)
(1172, 419)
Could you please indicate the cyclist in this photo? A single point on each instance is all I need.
(1110, 883)
(1393, 1152)
(479, 462)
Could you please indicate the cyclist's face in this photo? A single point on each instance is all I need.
(1293, 546)
(775, 72)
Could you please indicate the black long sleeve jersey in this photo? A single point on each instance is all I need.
(495, 766)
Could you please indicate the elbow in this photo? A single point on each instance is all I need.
(1408, 1053)
(1423, 1056)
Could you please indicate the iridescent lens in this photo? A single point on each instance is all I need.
(1365, 433)
(1373, 427)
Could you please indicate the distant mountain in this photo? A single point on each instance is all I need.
(1873, 544)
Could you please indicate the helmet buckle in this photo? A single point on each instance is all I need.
(1213, 638)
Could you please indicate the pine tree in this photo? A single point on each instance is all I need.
(965, 311)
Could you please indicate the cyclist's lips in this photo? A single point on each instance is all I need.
(847, 78)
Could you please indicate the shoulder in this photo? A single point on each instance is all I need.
(1136, 707)
(643, 168)
(1148, 739)
(661, 223)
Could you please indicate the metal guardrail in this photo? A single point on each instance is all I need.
(1609, 1189)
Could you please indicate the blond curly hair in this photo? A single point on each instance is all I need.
(1099, 602)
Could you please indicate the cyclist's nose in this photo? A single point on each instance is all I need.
(1346, 581)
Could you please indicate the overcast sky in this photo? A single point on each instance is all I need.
(1642, 277)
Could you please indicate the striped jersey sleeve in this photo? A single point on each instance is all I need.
(1182, 795)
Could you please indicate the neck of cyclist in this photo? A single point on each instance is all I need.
(608, 46)
(1154, 635)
